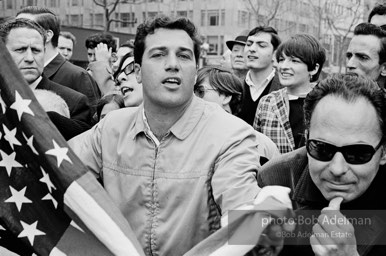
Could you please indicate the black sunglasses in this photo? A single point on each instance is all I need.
(128, 69)
(353, 154)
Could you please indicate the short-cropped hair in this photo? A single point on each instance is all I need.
(69, 36)
(162, 21)
(45, 18)
(7, 26)
(307, 49)
(374, 30)
(93, 40)
(349, 87)
(275, 39)
(379, 9)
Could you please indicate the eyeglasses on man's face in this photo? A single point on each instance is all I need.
(127, 70)
(353, 154)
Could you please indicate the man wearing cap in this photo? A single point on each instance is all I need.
(237, 54)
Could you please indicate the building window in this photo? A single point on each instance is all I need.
(302, 28)
(30, 2)
(222, 17)
(74, 3)
(242, 18)
(292, 27)
(182, 14)
(127, 19)
(76, 20)
(99, 19)
(213, 18)
(9, 4)
(213, 45)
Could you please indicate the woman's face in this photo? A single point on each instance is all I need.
(293, 72)
(209, 93)
(130, 88)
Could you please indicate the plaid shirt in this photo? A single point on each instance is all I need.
(272, 119)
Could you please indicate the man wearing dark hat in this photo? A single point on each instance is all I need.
(239, 67)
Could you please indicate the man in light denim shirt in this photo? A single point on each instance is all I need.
(176, 163)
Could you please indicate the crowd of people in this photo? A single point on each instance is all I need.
(177, 148)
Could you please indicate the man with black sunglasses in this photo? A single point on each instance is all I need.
(342, 163)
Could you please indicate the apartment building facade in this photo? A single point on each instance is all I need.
(217, 20)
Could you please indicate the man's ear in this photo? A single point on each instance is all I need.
(49, 35)
(383, 156)
(138, 72)
(226, 100)
(383, 69)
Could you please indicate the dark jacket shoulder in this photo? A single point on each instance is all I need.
(284, 170)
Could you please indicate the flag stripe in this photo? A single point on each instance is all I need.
(107, 231)
(56, 252)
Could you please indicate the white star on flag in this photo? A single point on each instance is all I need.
(10, 136)
(18, 197)
(2, 104)
(21, 105)
(30, 231)
(2, 228)
(9, 161)
(46, 179)
(60, 153)
(30, 143)
(50, 197)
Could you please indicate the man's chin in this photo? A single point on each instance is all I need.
(31, 79)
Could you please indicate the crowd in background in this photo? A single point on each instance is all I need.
(177, 148)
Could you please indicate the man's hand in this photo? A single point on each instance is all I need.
(333, 234)
(102, 53)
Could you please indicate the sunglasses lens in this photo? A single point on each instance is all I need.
(358, 154)
(320, 150)
(353, 154)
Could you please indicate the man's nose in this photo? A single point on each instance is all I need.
(121, 77)
(351, 62)
(250, 48)
(338, 165)
(29, 55)
(172, 62)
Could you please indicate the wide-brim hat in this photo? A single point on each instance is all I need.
(240, 39)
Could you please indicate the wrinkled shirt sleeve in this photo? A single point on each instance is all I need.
(234, 180)
(88, 148)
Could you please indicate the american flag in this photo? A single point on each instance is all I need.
(49, 203)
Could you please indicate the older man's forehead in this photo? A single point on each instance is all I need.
(21, 35)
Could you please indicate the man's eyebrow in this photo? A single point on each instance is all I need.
(185, 49)
(258, 42)
(155, 48)
(163, 48)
